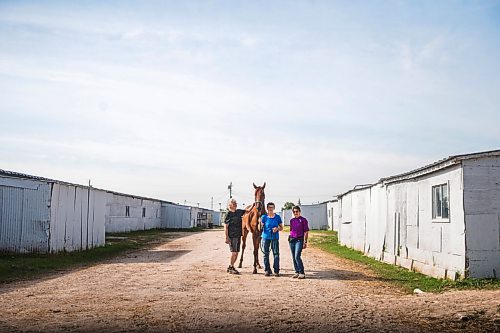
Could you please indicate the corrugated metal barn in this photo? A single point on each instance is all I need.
(316, 216)
(128, 213)
(44, 215)
(333, 210)
(442, 219)
(175, 216)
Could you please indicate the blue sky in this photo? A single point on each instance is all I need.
(174, 100)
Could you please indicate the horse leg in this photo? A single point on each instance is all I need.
(256, 247)
(243, 245)
(259, 238)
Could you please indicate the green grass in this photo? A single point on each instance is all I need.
(23, 266)
(406, 279)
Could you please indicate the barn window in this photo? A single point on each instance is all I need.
(440, 202)
(127, 210)
(144, 212)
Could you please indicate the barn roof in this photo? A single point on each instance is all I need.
(13, 174)
(438, 165)
(427, 169)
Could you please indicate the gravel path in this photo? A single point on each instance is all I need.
(180, 284)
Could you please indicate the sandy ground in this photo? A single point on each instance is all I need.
(181, 284)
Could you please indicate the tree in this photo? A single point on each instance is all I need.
(288, 205)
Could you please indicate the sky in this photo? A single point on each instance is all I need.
(175, 100)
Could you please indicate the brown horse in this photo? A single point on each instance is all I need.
(250, 223)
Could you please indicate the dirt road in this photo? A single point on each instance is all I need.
(181, 284)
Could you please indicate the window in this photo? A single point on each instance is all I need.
(127, 210)
(144, 212)
(440, 202)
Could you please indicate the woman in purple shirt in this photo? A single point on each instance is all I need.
(299, 231)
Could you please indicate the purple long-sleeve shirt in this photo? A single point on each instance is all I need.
(298, 226)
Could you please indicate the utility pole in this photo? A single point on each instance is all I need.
(220, 206)
(212, 203)
(230, 188)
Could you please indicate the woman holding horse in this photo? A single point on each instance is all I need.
(271, 226)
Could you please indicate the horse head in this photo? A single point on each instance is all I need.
(260, 196)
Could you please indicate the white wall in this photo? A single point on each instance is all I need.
(482, 216)
(316, 215)
(376, 222)
(175, 216)
(117, 221)
(286, 216)
(345, 226)
(333, 214)
(360, 203)
(24, 215)
(77, 218)
(394, 223)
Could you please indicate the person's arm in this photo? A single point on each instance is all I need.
(306, 235)
(226, 232)
(279, 227)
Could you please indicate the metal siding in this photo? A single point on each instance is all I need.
(35, 220)
(286, 216)
(316, 215)
(70, 221)
(12, 205)
(99, 209)
(78, 218)
(481, 179)
(90, 219)
(84, 209)
(24, 215)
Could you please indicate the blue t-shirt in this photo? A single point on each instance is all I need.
(268, 223)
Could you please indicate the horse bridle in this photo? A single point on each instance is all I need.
(258, 203)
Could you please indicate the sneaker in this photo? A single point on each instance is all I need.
(268, 273)
(296, 275)
(277, 274)
(232, 270)
(301, 276)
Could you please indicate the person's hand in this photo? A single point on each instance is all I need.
(304, 245)
(276, 229)
(227, 240)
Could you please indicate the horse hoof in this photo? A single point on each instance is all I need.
(239, 266)
(254, 271)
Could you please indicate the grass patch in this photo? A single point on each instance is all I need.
(23, 266)
(406, 279)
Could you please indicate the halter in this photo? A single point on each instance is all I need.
(259, 205)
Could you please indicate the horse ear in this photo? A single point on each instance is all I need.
(264, 186)
(254, 186)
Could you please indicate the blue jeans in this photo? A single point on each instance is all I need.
(296, 248)
(275, 246)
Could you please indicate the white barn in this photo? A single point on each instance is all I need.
(442, 219)
(333, 214)
(126, 213)
(315, 214)
(44, 215)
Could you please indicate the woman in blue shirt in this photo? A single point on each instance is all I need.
(271, 226)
